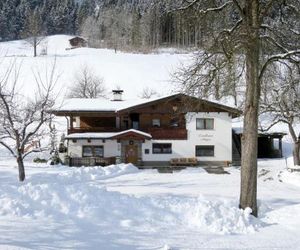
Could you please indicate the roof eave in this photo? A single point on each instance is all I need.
(76, 112)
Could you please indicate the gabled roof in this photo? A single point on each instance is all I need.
(96, 105)
(132, 132)
(77, 37)
(82, 105)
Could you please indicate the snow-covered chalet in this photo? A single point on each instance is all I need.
(175, 129)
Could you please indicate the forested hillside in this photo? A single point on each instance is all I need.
(54, 16)
(129, 24)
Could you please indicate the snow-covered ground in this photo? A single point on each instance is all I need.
(129, 71)
(121, 207)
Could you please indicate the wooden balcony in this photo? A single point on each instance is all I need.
(161, 133)
(168, 133)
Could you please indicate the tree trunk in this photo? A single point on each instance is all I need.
(248, 195)
(296, 140)
(21, 168)
(296, 153)
(34, 46)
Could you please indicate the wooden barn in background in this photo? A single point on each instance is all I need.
(77, 42)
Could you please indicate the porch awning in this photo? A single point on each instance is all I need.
(132, 133)
(113, 135)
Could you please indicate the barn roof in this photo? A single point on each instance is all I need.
(77, 38)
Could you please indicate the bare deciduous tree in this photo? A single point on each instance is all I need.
(213, 75)
(148, 93)
(87, 85)
(22, 118)
(263, 32)
(281, 102)
(34, 30)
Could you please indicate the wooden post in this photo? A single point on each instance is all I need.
(280, 146)
(71, 123)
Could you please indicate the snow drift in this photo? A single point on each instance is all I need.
(79, 194)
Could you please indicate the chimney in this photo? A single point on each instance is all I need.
(117, 95)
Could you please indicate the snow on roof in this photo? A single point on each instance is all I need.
(264, 122)
(240, 130)
(90, 135)
(104, 135)
(134, 131)
(76, 37)
(105, 105)
(84, 104)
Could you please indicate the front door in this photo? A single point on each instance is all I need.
(131, 154)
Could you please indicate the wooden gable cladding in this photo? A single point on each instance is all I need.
(180, 103)
(191, 104)
(163, 106)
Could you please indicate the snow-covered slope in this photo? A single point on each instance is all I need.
(131, 72)
(121, 207)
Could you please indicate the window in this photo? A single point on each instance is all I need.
(204, 123)
(156, 122)
(92, 151)
(174, 122)
(87, 151)
(135, 125)
(98, 151)
(162, 148)
(206, 150)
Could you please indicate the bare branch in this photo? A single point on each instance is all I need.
(277, 58)
(239, 7)
(8, 148)
(22, 118)
(264, 11)
(87, 85)
(191, 4)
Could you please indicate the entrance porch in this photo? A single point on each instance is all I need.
(131, 146)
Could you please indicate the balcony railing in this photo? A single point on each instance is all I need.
(168, 133)
(161, 133)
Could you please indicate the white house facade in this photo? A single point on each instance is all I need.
(148, 132)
